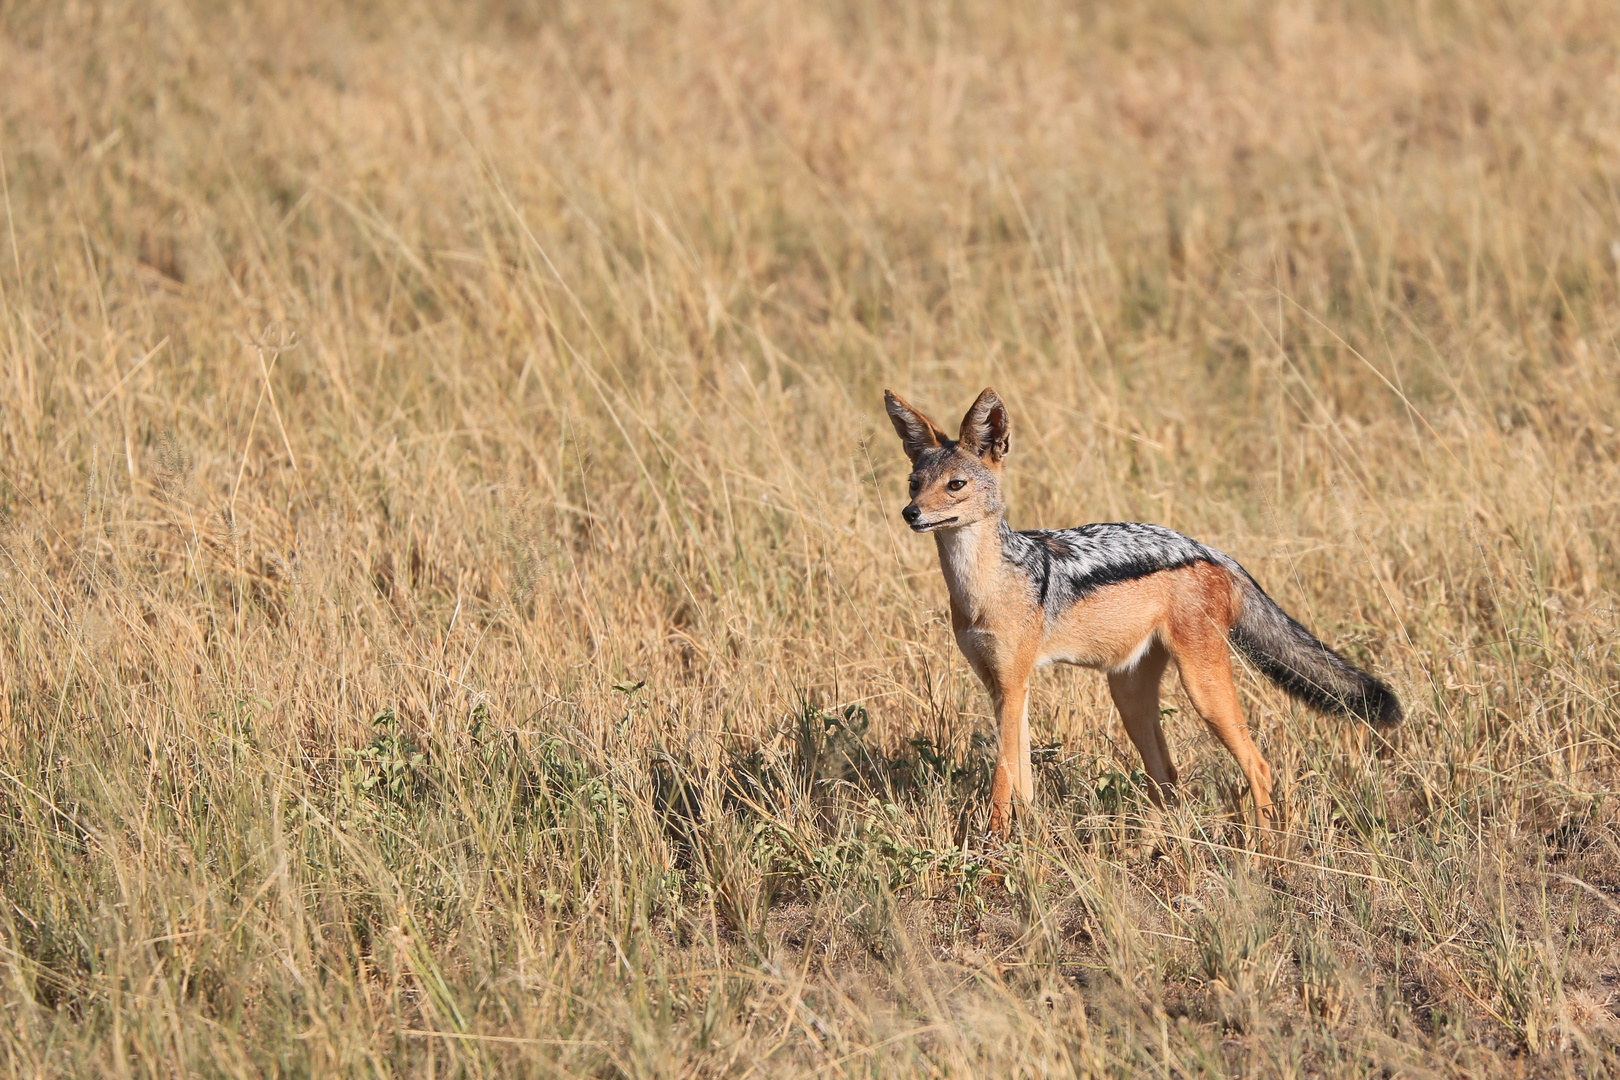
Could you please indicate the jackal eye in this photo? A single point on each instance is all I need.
(914, 487)
(956, 485)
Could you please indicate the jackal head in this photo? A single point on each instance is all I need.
(953, 483)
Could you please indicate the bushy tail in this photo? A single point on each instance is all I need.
(1290, 656)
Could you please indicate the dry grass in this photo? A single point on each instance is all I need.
(453, 619)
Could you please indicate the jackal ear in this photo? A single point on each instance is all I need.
(917, 432)
(985, 428)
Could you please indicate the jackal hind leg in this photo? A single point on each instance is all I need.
(1206, 675)
(1136, 696)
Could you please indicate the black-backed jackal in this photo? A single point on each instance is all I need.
(1125, 598)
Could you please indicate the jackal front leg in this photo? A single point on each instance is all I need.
(1013, 770)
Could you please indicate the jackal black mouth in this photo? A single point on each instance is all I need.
(930, 526)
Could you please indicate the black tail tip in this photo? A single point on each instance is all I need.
(1384, 710)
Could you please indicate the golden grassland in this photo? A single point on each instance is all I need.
(454, 618)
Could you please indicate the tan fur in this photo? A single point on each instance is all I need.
(1132, 629)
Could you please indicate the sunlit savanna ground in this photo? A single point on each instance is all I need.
(454, 619)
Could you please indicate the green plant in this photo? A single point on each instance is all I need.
(390, 766)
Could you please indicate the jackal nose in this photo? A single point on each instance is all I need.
(911, 514)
